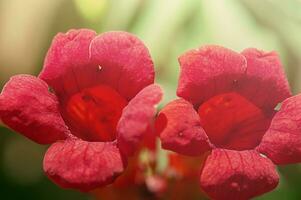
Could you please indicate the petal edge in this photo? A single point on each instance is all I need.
(178, 125)
(282, 141)
(27, 107)
(83, 165)
(136, 118)
(237, 175)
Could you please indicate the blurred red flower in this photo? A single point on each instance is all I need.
(139, 181)
(93, 102)
(227, 108)
(143, 180)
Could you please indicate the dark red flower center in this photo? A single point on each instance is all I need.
(233, 122)
(94, 113)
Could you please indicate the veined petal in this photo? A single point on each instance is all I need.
(208, 71)
(265, 83)
(178, 125)
(27, 107)
(237, 175)
(67, 67)
(213, 70)
(282, 142)
(124, 60)
(82, 165)
(136, 118)
(79, 59)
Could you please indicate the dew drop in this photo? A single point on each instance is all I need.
(262, 155)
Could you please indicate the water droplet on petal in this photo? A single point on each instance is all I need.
(262, 155)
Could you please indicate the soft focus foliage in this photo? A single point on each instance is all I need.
(169, 28)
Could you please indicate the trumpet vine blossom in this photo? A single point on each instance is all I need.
(93, 102)
(227, 110)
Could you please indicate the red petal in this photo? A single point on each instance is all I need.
(136, 118)
(265, 84)
(212, 70)
(282, 142)
(237, 175)
(180, 130)
(83, 165)
(67, 66)
(208, 71)
(27, 106)
(78, 59)
(125, 62)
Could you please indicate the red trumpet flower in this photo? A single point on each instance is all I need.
(227, 108)
(93, 102)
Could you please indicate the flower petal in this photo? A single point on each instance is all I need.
(236, 175)
(67, 66)
(178, 125)
(79, 59)
(83, 165)
(208, 71)
(265, 83)
(125, 62)
(212, 70)
(282, 142)
(27, 107)
(136, 118)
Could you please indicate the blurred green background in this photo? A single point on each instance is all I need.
(169, 28)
